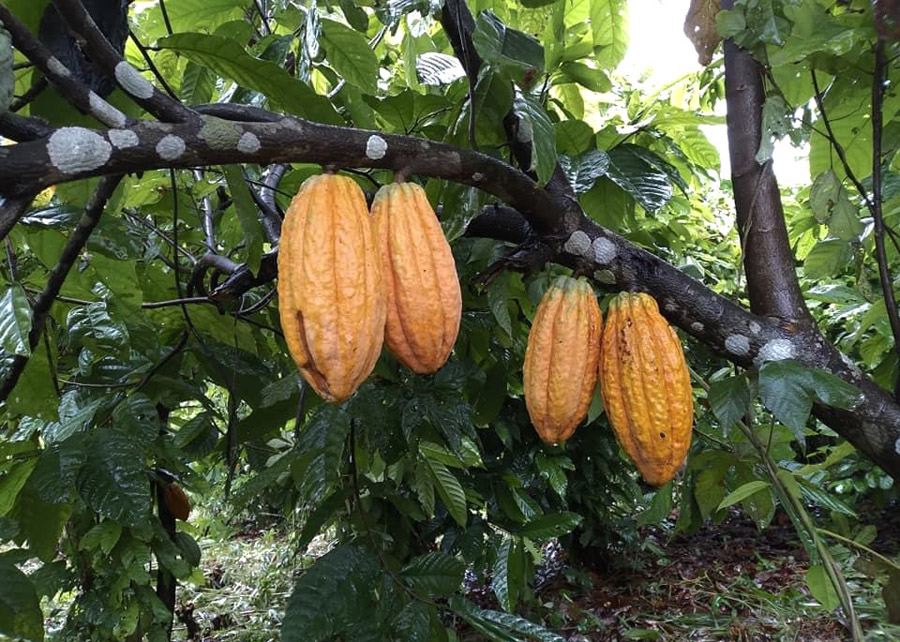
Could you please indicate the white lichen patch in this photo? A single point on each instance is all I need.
(604, 250)
(579, 244)
(56, 67)
(123, 138)
(670, 306)
(108, 114)
(755, 327)
(75, 149)
(249, 143)
(737, 344)
(477, 177)
(170, 147)
(132, 81)
(696, 326)
(897, 446)
(605, 276)
(376, 147)
(775, 350)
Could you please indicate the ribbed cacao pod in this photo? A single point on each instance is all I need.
(561, 360)
(424, 302)
(176, 501)
(646, 386)
(330, 291)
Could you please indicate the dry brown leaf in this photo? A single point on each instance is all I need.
(700, 28)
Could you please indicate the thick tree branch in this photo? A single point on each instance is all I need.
(103, 54)
(72, 249)
(772, 283)
(22, 128)
(11, 210)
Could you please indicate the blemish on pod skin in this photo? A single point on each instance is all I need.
(170, 147)
(123, 138)
(775, 350)
(578, 244)
(737, 344)
(132, 81)
(376, 147)
(604, 250)
(248, 144)
(75, 149)
(109, 114)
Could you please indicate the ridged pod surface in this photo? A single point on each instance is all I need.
(561, 360)
(330, 290)
(424, 302)
(646, 386)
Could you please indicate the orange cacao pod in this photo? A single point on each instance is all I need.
(176, 501)
(330, 291)
(561, 360)
(424, 302)
(646, 386)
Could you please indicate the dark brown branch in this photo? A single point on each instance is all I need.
(44, 302)
(22, 128)
(772, 283)
(28, 97)
(73, 90)
(106, 57)
(884, 274)
(11, 210)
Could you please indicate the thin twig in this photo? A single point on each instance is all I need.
(150, 64)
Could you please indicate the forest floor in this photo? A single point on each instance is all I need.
(726, 582)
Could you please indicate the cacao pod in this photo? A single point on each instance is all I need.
(561, 360)
(330, 291)
(176, 501)
(646, 387)
(424, 302)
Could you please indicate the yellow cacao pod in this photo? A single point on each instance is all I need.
(330, 291)
(561, 360)
(646, 387)
(176, 501)
(424, 302)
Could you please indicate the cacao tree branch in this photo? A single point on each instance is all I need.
(78, 94)
(44, 302)
(772, 283)
(102, 53)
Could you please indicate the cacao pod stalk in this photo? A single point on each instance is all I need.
(646, 387)
(561, 360)
(330, 291)
(424, 302)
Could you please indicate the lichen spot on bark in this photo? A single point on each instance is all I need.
(376, 147)
(737, 344)
(132, 81)
(75, 149)
(579, 244)
(220, 134)
(170, 147)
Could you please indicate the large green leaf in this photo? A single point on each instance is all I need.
(247, 214)
(434, 574)
(113, 480)
(449, 489)
(509, 573)
(350, 55)
(508, 50)
(628, 169)
(337, 590)
(501, 627)
(553, 525)
(20, 609)
(15, 321)
(729, 400)
(229, 60)
(609, 27)
(536, 128)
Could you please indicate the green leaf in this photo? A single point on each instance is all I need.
(15, 321)
(228, 59)
(434, 574)
(729, 400)
(536, 128)
(743, 492)
(834, 391)
(660, 507)
(113, 480)
(784, 389)
(331, 595)
(350, 54)
(11, 483)
(449, 490)
(649, 186)
(20, 609)
(584, 170)
(95, 326)
(509, 573)
(501, 627)
(552, 525)
(588, 77)
(818, 496)
(248, 215)
(821, 587)
(507, 50)
(321, 516)
(498, 296)
(609, 27)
